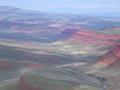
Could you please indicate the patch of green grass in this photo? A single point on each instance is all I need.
(9, 87)
(48, 84)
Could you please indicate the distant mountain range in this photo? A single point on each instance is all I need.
(16, 23)
(73, 11)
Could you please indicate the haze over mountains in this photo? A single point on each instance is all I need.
(47, 51)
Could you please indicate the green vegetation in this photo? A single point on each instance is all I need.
(9, 87)
(48, 84)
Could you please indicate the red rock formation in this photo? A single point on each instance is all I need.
(35, 66)
(111, 58)
(5, 64)
(23, 84)
(90, 37)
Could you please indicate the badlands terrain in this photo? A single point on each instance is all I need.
(47, 51)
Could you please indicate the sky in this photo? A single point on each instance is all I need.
(66, 6)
